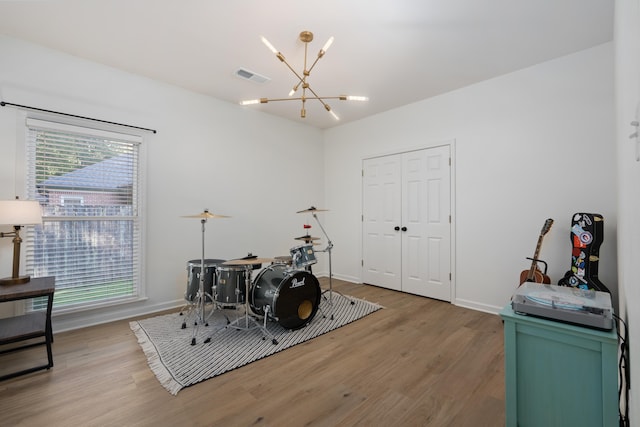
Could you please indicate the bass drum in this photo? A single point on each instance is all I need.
(293, 296)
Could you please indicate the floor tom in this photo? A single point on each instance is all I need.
(193, 278)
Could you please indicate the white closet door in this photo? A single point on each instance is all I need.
(381, 249)
(406, 240)
(426, 227)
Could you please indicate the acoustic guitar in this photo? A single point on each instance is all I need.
(534, 274)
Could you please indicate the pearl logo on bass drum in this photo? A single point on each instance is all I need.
(296, 284)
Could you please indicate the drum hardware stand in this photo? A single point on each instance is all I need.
(222, 308)
(236, 323)
(200, 299)
(328, 250)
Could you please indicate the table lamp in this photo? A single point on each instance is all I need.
(18, 213)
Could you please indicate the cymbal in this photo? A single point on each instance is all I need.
(306, 238)
(312, 209)
(249, 261)
(205, 215)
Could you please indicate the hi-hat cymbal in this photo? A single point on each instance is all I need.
(306, 238)
(312, 209)
(249, 261)
(205, 215)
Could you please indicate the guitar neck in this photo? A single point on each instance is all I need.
(532, 271)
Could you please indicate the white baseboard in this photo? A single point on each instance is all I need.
(71, 321)
(492, 309)
(350, 279)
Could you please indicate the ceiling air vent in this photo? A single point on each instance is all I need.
(245, 74)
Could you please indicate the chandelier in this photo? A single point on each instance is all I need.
(303, 80)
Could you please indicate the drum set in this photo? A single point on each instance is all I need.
(285, 291)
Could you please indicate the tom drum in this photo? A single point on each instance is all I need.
(230, 284)
(303, 255)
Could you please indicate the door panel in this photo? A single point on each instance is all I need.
(381, 213)
(438, 282)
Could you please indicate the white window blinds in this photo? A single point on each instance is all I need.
(87, 182)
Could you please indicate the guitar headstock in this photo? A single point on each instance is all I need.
(546, 227)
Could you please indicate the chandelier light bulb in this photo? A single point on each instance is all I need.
(357, 98)
(327, 44)
(269, 45)
(254, 101)
(294, 90)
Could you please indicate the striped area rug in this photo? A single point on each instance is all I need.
(178, 364)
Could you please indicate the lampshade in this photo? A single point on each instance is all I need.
(20, 212)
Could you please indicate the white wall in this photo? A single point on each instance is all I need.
(257, 168)
(529, 145)
(627, 61)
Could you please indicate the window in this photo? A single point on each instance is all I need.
(87, 182)
(71, 200)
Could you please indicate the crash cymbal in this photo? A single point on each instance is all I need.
(312, 209)
(249, 261)
(306, 238)
(205, 215)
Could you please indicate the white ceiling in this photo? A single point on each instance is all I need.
(394, 51)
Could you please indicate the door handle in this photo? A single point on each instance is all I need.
(396, 228)
(404, 228)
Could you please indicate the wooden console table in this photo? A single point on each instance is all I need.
(29, 326)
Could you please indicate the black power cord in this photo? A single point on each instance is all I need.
(623, 372)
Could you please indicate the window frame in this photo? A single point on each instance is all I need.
(111, 132)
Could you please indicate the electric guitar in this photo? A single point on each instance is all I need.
(534, 274)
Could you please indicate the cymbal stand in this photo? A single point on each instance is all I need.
(201, 297)
(236, 323)
(328, 250)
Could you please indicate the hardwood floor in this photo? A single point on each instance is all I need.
(417, 362)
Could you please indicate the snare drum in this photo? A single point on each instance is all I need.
(230, 284)
(293, 296)
(303, 256)
(193, 278)
(283, 260)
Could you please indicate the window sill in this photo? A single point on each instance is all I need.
(96, 306)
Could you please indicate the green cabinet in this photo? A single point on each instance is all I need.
(557, 374)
